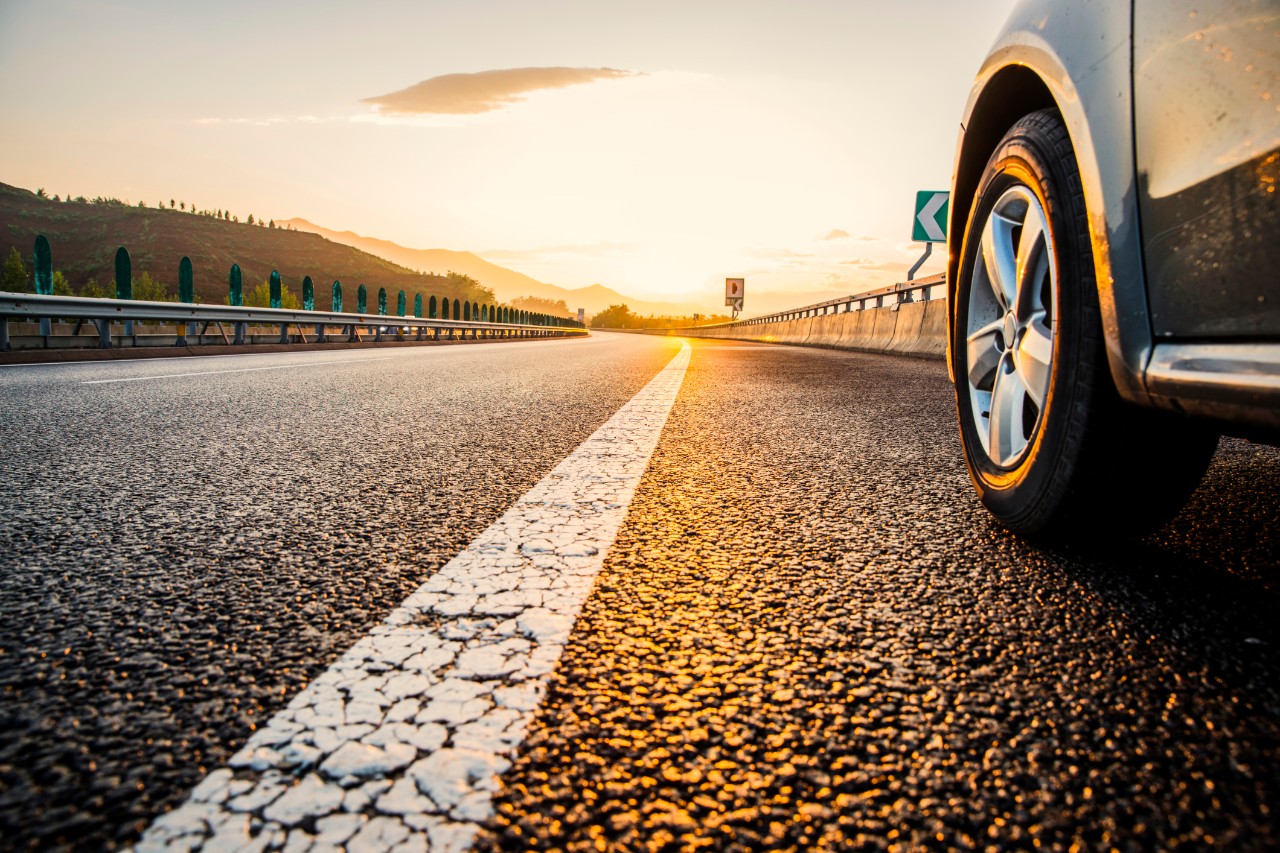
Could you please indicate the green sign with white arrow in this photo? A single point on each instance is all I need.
(930, 222)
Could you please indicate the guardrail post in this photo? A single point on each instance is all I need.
(4, 334)
(235, 296)
(44, 281)
(187, 296)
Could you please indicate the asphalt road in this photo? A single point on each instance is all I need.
(807, 635)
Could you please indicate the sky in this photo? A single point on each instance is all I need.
(654, 147)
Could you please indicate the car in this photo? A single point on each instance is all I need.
(1114, 258)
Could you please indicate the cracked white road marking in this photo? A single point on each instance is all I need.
(399, 744)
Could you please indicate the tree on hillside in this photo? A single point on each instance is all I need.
(14, 278)
(260, 297)
(148, 289)
(61, 287)
(40, 193)
(172, 204)
(93, 290)
(615, 317)
(471, 289)
(250, 219)
(554, 307)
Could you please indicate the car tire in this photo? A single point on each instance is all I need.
(1051, 449)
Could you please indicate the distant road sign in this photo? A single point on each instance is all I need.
(930, 223)
(582, 315)
(734, 292)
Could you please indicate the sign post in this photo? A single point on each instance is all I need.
(734, 293)
(929, 224)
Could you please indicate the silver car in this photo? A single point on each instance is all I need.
(1114, 269)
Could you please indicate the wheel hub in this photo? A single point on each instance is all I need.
(1010, 327)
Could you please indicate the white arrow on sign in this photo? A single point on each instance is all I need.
(927, 214)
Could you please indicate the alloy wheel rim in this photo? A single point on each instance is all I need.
(1011, 327)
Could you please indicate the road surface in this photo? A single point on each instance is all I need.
(807, 634)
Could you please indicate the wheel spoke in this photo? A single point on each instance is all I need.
(1006, 435)
(999, 259)
(1031, 263)
(1034, 360)
(983, 354)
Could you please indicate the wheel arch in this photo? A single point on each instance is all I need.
(1024, 74)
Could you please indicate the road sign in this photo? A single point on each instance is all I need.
(734, 292)
(930, 222)
(582, 315)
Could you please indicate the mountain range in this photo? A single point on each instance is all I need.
(506, 284)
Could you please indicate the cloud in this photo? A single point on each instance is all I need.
(484, 91)
(836, 234)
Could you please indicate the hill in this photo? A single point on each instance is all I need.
(506, 284)
(84, 237)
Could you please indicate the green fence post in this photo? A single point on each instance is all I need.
(382, 302)
(400, 304)
(124, 284)
(44, 281)
(308, 294)
(187, 295)
(362, 300)
(44, 267)
(417, 305)
(337, 299)
(186, 282)
(276, 302)
(432, 309)
(235, 296)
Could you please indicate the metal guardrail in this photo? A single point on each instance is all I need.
(104, 312)
(921, 290)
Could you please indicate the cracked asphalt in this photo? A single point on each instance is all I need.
(808, 634)
(178, 557)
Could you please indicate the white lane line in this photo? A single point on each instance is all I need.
(234, 370)
(401, 742)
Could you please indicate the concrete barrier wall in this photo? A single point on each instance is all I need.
(915, 328)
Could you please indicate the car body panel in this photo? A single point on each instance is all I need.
(1078, 56)
(1206, 79)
